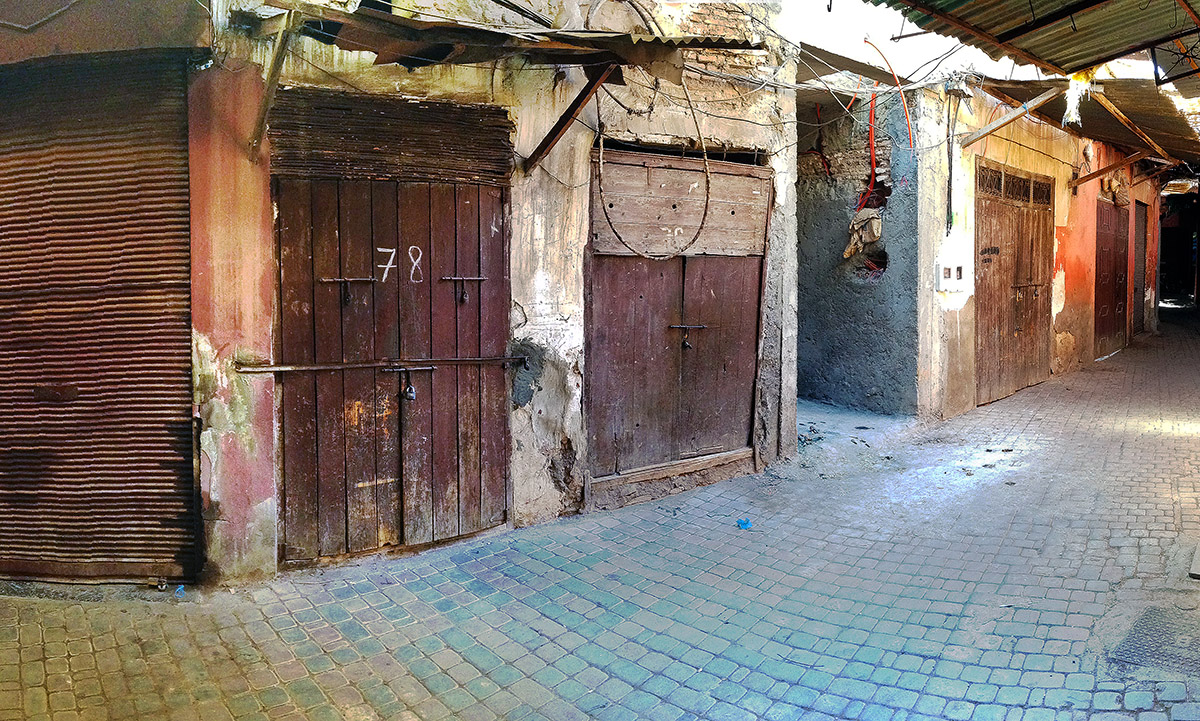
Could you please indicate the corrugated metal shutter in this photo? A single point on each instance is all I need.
(95, 332)
(325, 134)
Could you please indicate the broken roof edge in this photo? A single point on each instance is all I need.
(836, 63)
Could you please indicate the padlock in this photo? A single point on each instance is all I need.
(410, 393)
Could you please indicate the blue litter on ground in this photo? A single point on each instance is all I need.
(744, 524)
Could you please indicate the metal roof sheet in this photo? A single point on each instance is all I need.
(1140, 100)
(1099, 31)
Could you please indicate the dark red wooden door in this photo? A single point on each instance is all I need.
(1112, 277)
(671, 358)
(394, 416)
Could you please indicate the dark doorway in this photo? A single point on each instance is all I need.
(1140, 221)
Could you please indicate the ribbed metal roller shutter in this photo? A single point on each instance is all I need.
(96, 443)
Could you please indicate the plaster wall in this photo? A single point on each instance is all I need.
(858, 336)
(549, 225)
(233, 317)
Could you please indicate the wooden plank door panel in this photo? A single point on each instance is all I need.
(467, 310)
(635, 361)
(1140, 227)
(385, 236)
(358, 344)
(716, 383)
(415, 342)
(299, 391)
(444, 344)
(493, 341)
(327, 309)
(992, 302)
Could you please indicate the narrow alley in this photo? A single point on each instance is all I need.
(1011, 563)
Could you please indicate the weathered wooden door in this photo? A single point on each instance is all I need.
(672, 344)
(1140, 223)
(394, 317)
(1112, 257)
(1014, 243)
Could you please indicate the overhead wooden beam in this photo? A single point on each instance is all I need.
(1123, 120)
(283, 38)
(1013, 115)
(1187, 8)
(982, 34)
(1001, 95)
(596, 78)
(1123, 163)
(1156, 173)
(1049, 19)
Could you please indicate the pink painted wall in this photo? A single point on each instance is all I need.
(233, 318)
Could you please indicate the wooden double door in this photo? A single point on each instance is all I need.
(1014, 255)
(672, 348)
(1112, 278)
(394, 319)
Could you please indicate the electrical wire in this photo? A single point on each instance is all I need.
(904, 102)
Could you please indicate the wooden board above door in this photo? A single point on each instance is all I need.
(655, 203)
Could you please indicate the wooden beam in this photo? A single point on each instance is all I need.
(982, 34)
(596, 78)
(1123, 163)
(1187, 8)
(1123, 120)
(1155, 174)
(283, 38)
(1049, 19)
(1000, 94)
(1013, 115)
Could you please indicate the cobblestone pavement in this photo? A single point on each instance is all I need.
(982, 568)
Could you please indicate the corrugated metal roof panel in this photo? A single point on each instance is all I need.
(1090, 37)
(1140, 100)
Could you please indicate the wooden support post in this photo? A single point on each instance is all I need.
(596, 78)
(1013, 115)
(1123, 163)
(282, 40)
(1116, 113)
(983, 35)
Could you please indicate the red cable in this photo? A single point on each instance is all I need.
(862, 203)
(903, 102)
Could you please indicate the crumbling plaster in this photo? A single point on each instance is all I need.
(548, 223)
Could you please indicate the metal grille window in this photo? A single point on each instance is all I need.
(1016, 188)
(990, 182)
(1043, 193)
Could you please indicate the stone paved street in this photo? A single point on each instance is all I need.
(982, 568)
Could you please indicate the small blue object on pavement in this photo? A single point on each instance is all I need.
(179, 592)
(744, 524)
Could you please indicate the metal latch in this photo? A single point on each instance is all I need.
(410, 391)
(460, 284)
(685, 329)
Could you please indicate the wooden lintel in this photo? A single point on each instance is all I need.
(594, 81)
(1001, 95)
(1129, 124)
(283, 39)
(672, 468)
(983, 35)
(1123, 163)
(1155, 174)
(1013, 115)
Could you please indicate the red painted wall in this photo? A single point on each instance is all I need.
(233, 318)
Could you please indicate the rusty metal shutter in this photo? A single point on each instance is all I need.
(96, 444)
(324, 134)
